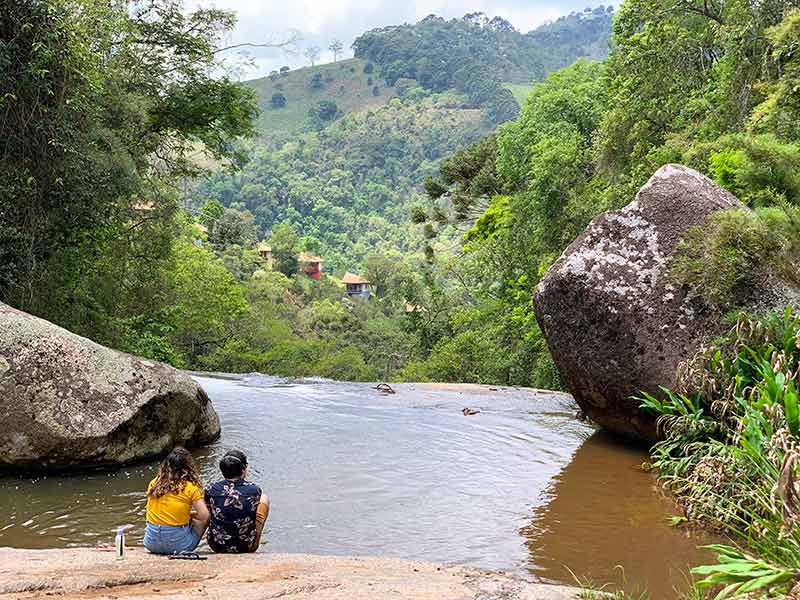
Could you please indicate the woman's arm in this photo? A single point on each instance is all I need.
(200, 517)
(200, 511)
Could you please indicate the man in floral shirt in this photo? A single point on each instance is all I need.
(238, 508)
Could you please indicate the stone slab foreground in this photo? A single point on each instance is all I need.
(90, 573)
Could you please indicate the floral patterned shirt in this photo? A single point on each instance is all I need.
(233, 505)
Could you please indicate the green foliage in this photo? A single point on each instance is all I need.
(326, 110)
(725, 261)
(730, 452)
(278, 100)
(440, 54)
(102, 104)
(285, 244)
(349, 185)
(739, 573)
(315, 82)
(232, 228)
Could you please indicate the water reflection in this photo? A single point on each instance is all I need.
(607, 521)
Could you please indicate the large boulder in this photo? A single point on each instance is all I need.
(67, 402)
(614, 320)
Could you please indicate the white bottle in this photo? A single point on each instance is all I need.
(119, 542)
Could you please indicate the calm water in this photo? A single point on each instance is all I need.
(521, 486)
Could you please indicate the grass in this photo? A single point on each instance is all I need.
(343, 82)
(520, 91)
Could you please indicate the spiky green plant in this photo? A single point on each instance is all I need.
(730, 450)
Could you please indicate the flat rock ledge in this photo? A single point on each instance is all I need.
(89, 573)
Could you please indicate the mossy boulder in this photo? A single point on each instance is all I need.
(615, 319)
(69, 403)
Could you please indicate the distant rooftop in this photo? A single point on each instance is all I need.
(353, 279)
(307, 257)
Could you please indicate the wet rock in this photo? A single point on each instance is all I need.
(614, 321)
(67, 402)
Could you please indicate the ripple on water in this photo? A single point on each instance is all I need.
(352, 471)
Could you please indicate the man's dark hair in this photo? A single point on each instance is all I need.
(232, 464)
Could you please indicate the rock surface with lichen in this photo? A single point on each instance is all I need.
(615, 320)
(67, 402)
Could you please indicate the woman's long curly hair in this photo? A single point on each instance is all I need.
(175, 472)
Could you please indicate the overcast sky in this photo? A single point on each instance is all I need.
(321, 21)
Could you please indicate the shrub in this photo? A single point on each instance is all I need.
(724, 260)
(327, 110)
(278, 100)
(730, 451)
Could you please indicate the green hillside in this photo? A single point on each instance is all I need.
(519, 90)
(343, 82)
(342, 156)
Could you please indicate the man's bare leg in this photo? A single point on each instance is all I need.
(262, 512)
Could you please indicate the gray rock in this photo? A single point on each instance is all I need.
(67, 402)
(614, 322)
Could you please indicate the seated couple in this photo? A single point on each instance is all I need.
(179, 512)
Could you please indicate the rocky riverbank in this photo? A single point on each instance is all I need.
(92, 573)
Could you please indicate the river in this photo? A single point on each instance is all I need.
(521, 486)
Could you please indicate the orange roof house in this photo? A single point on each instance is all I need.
(310, 265)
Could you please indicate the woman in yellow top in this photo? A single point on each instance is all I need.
(171, 496)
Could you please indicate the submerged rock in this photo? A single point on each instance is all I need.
(67, 402)
(614, 321)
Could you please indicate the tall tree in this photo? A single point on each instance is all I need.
(336, 48)
(104, 106)
(312, 53)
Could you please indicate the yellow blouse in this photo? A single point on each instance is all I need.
(172, 509)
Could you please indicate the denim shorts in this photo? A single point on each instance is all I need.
(169, 539)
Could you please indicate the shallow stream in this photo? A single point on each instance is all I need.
(521, 486)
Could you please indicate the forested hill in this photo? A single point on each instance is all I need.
(344, 147)
(476, 54)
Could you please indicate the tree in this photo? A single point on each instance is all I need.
(285, 244)
(284, 71)
(211, 212)
(207, 300)
(369, 68)
(316, 81)
(278, 100)
(326, 110)
(312, 53)
(104, 105)
(233, 228)
(336, 48)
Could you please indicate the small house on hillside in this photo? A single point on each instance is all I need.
(356, 286)
(265, 252)
(310, 265)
